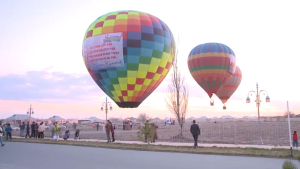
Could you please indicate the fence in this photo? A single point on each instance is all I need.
(273, 133)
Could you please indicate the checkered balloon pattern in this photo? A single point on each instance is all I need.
(148, 46)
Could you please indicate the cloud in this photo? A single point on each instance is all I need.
(48, 87)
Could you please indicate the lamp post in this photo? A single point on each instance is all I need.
(106, 109)
(257, 105)
(30, 111)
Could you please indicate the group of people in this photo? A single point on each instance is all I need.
(127, 122)
(35, 130)
(110, 128)
(148, 128)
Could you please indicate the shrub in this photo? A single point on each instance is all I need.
(288, 165)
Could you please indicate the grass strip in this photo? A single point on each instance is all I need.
(254, 152)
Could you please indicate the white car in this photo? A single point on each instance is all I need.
(62, 126)
(15, 128)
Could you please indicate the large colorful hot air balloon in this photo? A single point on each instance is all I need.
(211, 65)
(230, 87)
(128, 54)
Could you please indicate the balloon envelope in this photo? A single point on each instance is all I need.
(211, 65)
(230, 87)
(128, 54)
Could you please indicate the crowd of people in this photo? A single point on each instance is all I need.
(33, 130)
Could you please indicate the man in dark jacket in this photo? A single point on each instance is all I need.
(27, 130)
(8, 130)
(195, 130)
(22, 129)
(33, 129)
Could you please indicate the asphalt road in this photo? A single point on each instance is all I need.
(16, 155)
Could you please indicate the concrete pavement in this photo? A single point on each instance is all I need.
(15, 155)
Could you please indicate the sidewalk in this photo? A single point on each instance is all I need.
(181, 144)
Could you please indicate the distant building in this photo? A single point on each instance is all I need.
(57, 119)
(72, 121)
(18, 119)
(80, 121)
(226, 117)
(94, 119)
(203, 117)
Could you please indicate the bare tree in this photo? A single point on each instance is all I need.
(115, 120)
(177, 94)
(143, 117)
(291, 114)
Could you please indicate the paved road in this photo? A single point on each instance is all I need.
(47, 156)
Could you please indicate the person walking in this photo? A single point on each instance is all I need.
(1, 134)
(3, 129)
(22, 128)
(27, 130)
(108, 130)
(195, 130)
(97, 126)
(8, 131)
(295, 139)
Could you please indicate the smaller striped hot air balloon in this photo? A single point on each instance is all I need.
(211, 65)
(230, 87)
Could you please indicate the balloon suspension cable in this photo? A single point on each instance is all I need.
(212, 102)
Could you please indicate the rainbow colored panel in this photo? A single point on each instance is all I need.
(148, 45)
(211, 65)
(230, 87)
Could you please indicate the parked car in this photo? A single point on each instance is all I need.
(62, 126)
(15, 128)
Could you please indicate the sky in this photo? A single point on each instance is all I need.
(41, 55)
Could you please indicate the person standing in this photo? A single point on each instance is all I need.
(51, 130)
(22, 128)
(33, 129)
(154, 133)
(195, 130)
(108, 130)
(295, 139)
(56, 131)
(113, 132)
(1, 134)
(8, 130)
(36, 130)
(41, 130)
(27, 130)
(147, 131)
(130, 124)
(97, 126)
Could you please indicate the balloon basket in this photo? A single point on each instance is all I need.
(224, 107)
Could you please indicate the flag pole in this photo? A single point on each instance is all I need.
(288, 112)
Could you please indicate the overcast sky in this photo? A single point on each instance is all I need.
(41, 62)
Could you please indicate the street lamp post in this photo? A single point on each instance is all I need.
(257, 105)
(106, 109)
(30, 111)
